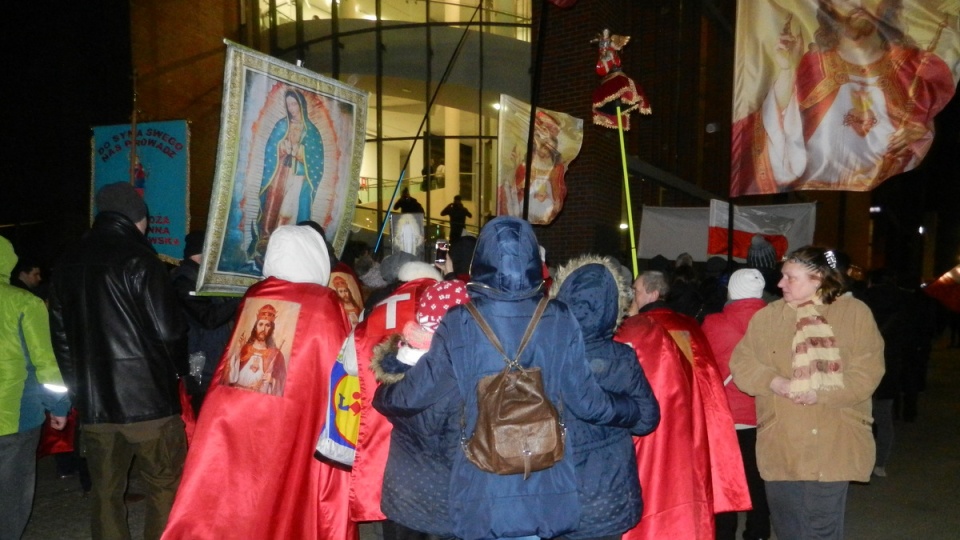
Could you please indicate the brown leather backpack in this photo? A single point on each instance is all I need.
(518, 429)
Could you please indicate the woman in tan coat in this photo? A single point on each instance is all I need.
(812, 359)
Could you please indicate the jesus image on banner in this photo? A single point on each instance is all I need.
(557, 138)
(852, 98)
(256, 360)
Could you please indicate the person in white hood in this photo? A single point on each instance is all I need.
(250, 467)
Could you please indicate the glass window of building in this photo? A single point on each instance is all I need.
(434, 71)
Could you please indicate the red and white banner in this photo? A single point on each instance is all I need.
(946, 289)
(832, 95)
(702, 232)
(785, 226)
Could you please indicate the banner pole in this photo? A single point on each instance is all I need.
(376, 248)
(730, 218)
(626, 187)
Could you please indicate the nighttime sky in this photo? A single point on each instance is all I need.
(67, 70)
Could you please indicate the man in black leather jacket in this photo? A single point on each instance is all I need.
(120, 339)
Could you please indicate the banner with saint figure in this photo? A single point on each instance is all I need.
(838, 94)
(291, 144)
(556, 142)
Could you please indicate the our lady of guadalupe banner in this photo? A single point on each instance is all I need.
(291, 144)
(838, 94)
(557, 139)
(160, 173)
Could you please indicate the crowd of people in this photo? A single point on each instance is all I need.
(341, 393)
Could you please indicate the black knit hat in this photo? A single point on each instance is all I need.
(193, 244)
(120, 197)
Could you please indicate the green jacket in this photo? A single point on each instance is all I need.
(30, 380)
(832, 440)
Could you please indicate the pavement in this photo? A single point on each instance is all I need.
(918, 498)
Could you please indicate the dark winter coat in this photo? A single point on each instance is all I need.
(507, 285)
(604, 457)
(116, 326)
(209, 318)
(416, 480)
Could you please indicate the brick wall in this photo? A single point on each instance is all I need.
(589, 222)
(178, 55)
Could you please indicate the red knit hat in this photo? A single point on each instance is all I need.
(434, 303)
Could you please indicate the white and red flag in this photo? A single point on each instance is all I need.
(785, 226)
(702, 231)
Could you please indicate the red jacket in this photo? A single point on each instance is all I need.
(250, 471)
(690, 467)
(724, 330)
(373, 441)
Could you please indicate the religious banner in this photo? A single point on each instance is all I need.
(406, 232)
(160, 172)
(291, 144)
(838, 95)
(557, 140)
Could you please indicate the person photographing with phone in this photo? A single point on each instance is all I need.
(458, 217)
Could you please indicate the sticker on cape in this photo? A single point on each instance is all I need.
(260, 347)
(338, 440)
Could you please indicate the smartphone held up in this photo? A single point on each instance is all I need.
(442, 248)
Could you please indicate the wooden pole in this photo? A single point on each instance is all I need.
(133, 134)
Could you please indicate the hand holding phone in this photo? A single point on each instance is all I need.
(442, 248)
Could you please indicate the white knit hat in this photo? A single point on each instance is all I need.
(745, 283)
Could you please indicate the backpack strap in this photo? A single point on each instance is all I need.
(515, 363)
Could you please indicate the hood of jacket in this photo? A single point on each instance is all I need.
(418, 269)
(298, 255)
(8, 259)
(384, 364)
(596, 293)
(506, 263)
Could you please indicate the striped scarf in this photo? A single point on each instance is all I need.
(816, 358)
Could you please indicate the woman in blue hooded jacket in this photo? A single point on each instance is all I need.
(506, 286)
(604, 458)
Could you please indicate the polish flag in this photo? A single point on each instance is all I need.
(702, 232)
(786, 227)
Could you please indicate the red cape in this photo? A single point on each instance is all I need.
(373, 441)
(690, 468)
(250, 472)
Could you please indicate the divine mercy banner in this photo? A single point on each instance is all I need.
(160, 172)
(838, 95)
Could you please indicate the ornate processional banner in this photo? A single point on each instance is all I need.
(160, 173)
(838, 95)
(291, 144)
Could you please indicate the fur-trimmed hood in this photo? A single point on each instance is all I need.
(384, 364)
(416, 270)
(597, 293)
